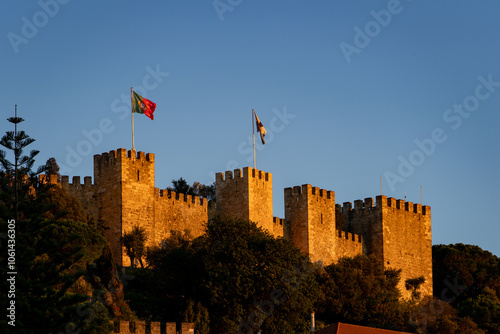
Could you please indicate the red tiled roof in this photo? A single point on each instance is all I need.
(341, 328)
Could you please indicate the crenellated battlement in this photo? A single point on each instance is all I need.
(180, 197)
(121, 154)
(278, 221)
(139, 327)
(76, 184)
(349, 236)
(280, 228)
(387, 202)
(246, 194)
(123, 194)
(246, 173)
(310, 191)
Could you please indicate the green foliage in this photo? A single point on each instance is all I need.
(197, 189)
(434, 316)
(469, 279)
(60, 205)
(360, 291)
(52, 255)
(256, 281)
(197, 314)
(181, 186)
(51, 258)
(134, 242)
(235, 277)
(484, 309)
(52, 168)
(18, 178)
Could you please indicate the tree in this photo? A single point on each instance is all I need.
(469, 279)
(52, 168)
(181, 186)
(255, 281)
(434, 316)
(135, 244)
(360, 291)
(205, 191)
(18, 176)
(197, 189)
(51, 254)
(243, 277)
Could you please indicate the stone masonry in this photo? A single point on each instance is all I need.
(123, 195)
(398, 233)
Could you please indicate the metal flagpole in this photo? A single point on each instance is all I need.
(132, 109)
(253, 134)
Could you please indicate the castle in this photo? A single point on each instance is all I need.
(123, 195)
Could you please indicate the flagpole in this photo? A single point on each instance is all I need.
(132, 109)
(253, 135)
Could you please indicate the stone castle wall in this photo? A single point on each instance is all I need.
(398, 233)
(179, 212)
(310, 213)
(246, 195)
(139, 327)
(348, 244)
(124, 195)
(86, 193)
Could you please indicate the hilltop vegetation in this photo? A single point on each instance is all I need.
(235, 278)
(61, 274)
(238, 279)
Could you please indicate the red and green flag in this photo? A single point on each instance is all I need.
(141, 105)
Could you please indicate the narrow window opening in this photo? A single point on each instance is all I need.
(138, 176)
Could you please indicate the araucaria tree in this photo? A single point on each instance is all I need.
(17, 175)
(50, 254)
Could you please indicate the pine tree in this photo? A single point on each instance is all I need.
(50, 255)
(18, 176)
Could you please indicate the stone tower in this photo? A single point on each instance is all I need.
(398, 233)
(125, 194)
(247, 195)
(310, 212)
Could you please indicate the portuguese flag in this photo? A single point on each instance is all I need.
(141, 105)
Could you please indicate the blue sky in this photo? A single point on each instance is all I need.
(349, 91)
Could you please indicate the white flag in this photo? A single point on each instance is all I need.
(261, 129)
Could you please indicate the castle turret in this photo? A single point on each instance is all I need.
(246, 195)
(398, 233)
(310, 212)
(125, 188)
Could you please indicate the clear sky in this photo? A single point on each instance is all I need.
(348, 91)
